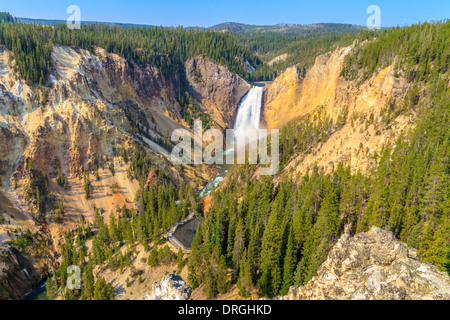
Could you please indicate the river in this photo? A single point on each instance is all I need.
(39, 292)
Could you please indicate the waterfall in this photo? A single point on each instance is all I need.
(248, 117)
(249, 112)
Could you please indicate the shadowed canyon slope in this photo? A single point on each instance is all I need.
(216, 89)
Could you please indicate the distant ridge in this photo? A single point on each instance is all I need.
(285, 28)
(226, 26)
(52, 22)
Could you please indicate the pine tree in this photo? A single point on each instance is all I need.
(51, 288)
(87, 185)
(88, 282)
(436, 183)
(222, 275)
(245, 279)
(180, 259)
(238, 242)
(60, 178)
(209, 288)
(289, 264)
(111, 169)
(153, 258)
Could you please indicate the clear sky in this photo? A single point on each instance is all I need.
(206, 13)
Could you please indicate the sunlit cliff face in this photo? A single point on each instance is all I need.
(322, 92)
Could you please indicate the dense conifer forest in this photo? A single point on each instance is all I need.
(166, 48)
(300, 45)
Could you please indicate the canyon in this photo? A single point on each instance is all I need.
(98, 102)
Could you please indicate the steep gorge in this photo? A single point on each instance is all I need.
(96, 105)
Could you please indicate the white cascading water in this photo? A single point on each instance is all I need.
(248, 117)
(249, 112)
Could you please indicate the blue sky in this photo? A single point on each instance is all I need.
(210, 12)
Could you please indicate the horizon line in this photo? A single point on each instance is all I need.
(208, 27)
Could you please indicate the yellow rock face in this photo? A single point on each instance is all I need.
(216, 89)
(291, 96)
(322, 90)
(93, 108)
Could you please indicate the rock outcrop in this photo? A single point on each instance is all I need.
(216, 89)
(373, 266)
(171, 287)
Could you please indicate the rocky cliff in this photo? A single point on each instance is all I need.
(373, 266)
(360, 107)
(216, 89)
(293, 93)
(18, 276)
(171, 287)
(94, 104)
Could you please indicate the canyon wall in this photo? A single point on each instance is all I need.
(359, 106)
(216, 89)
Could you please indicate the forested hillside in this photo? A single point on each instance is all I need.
(169, 48)
(275, 236)
(422, 51)
(6, 17)
(285, 29)
(166, 48)
(300, 44)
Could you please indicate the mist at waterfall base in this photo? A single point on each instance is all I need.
(248, 118)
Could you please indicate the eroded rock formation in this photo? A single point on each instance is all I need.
(171, 287)
(373, 265)
(17, 275)
(358, 106)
